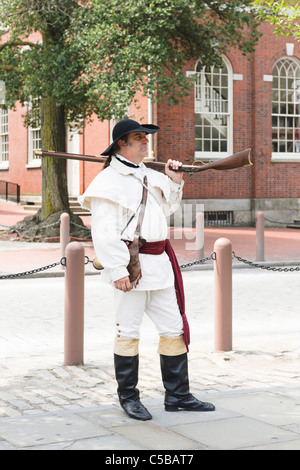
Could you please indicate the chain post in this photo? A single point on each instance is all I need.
(200, 234)
(74, 304)
(223, 295)
(64, 233)
(260, 236)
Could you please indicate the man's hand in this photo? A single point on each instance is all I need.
(174, 175)
(123, 284)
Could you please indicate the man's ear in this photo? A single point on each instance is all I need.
(121, 143)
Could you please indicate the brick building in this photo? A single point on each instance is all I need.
(246, 103)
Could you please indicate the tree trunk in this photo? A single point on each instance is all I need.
(54, 171)
(55, 198)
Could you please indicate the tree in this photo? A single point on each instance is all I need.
(94, 55)
(284, 15)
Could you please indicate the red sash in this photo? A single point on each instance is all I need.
(157, 248)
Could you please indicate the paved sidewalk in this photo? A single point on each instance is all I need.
(255, 387)
(252, 420)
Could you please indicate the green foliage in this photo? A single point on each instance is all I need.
(283, 15)
(95, 55)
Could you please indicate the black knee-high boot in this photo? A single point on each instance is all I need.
(126, 369)
(176, 382)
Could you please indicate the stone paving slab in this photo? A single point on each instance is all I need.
(108, 428)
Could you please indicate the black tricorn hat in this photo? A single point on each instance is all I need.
(127, 126)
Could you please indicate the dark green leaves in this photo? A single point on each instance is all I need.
(94, 56)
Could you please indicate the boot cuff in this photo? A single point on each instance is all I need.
(126, 347)
(171, 346)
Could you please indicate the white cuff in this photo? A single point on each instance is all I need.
(118, 273)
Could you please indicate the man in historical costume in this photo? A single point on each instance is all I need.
(115, 200)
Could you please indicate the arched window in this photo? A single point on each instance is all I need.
(3, 138)
(34, 133)
(213, 109)
(3, 130)
(286, 110)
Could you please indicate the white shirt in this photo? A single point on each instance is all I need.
(114, 197)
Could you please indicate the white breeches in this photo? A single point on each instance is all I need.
(160, 305)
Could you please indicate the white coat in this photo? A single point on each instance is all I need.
(113, 198)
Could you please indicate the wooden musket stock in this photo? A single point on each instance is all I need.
(237, 160)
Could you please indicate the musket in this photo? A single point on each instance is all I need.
(236, 160)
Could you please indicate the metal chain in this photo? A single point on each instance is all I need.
(261, 266)
(276, 221)
(6, 226)
(34, 271)
(186, 265)
(44, 226)
(80, 226)
(199, 261)
(63, 262)
(26, 229)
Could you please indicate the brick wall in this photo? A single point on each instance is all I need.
(251, 128)
(252, 121)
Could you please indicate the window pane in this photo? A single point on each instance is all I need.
(215, 146)
(282, 146)
(207, 132)
(215, 133)
(286, 106)
(283, 109)
(198, 119)
(198, 132)
(224, 147)
(275, 108)
(224, 82)
(198, 145)
(207, 147)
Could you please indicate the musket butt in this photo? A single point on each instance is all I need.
(249, 158)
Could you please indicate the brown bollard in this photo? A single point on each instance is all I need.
(74, 304)
(260, 236)
(223, 295)
(200, 235)
(64, 233)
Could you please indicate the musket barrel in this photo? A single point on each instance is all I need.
(71, 156)
(237, 160)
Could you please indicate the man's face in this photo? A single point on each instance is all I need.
(136, 148)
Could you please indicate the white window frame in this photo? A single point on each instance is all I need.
(34, 138)
(4, 140)
(202, 91)
(290, 90)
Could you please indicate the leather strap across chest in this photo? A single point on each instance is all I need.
(142, 208)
